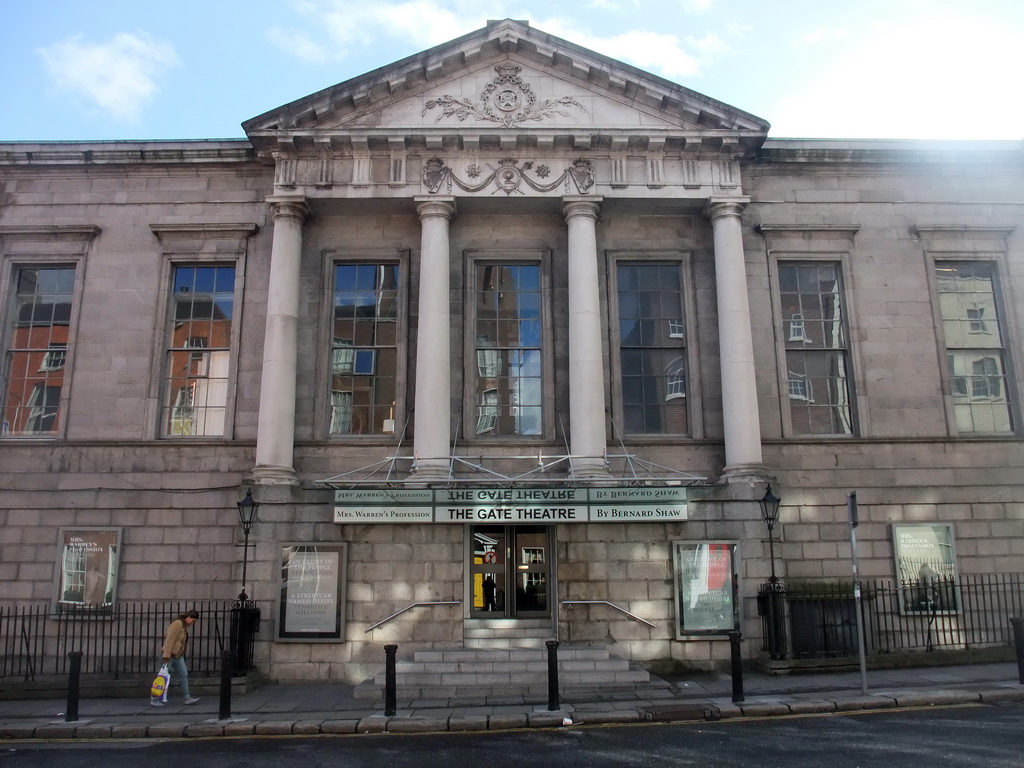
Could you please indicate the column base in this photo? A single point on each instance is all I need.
(745, 473)
(268, 474)
(589, 469)
(430, 472)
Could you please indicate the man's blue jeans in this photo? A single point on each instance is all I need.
(179, 675)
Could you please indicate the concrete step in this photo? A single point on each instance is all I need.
(507, 633)
(483, 673)
(637, 682)
(464, 655)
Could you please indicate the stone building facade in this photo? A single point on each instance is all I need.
(505, 312)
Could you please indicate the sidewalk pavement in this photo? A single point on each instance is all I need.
(329, 708)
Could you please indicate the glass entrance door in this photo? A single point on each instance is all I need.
(510, 571)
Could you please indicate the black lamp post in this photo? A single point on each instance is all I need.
(247, 510)
(775, 625)
(770, 514)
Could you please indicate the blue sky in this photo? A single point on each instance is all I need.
(151, 69)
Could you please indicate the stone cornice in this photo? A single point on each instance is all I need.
(799, 237)
(962, 237)
(482, 138)
(50, 239)
(34, 232)
(212, 151)
(890, 151)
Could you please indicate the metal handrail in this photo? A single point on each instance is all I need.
(409, 607)
(610, 605)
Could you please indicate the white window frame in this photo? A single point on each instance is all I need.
(675, 379)
(55, 359)
(487, 415)
(800, 387)
(797, 329)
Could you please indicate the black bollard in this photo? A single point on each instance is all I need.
(390, 686)
(737, 667)
(227, 662)
(553, 703)
(74, 675)
(1018, 644)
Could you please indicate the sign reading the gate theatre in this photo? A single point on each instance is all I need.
(511, 505)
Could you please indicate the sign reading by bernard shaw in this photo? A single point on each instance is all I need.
(511, 505)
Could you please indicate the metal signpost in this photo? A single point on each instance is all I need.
(851, 505)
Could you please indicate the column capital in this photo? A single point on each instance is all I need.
(435, 206)
(581, 205)
(724, 206)
(289, 206)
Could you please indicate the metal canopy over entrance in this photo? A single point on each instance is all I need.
(543, 469)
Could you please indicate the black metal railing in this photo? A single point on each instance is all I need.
(820, 620)
(123, 641)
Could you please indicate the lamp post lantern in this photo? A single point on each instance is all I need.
(775, 628)
(247, 511)
(770, 514)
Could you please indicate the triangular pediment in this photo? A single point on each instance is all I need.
(509, 80)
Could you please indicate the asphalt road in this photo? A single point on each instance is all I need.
(954, 737)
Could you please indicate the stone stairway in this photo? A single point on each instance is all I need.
(507, 633)
(491, 673)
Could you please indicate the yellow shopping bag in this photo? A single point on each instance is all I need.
(160, 682)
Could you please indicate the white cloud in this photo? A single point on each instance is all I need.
(648, 50)
(663, 53)
(298, 45)
(118, 76)
(353, 25)
(425, 23)
(940, 77)
(822, 34)
(421, 22)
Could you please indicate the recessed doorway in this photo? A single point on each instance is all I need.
(510, 571)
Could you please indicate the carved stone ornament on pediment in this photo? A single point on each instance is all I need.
(509, 176)
(506, 100)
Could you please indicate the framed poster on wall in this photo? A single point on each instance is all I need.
(925, 567)
(86, 572)
(705, 587)
(311, 605)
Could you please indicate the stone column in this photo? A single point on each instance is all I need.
(587, 371)
(275, 437)
(739, 388)
(432, 426)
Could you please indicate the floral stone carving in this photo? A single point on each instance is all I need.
(506, 100)
(509, 177)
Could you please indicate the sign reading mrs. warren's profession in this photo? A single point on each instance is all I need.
(511, 505)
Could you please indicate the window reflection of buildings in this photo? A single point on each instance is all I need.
(974, 346)
(531, 587)
(364, 358)
(652, 339)
(37, 349)
(816, 351)
(508, 347)
(199, 363)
